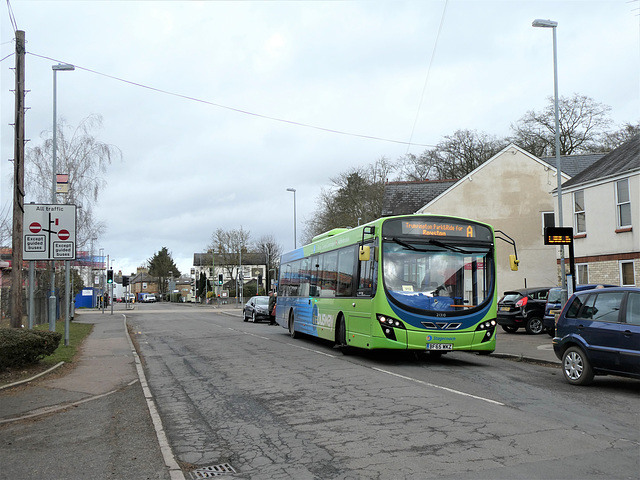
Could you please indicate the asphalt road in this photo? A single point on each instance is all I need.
(248, 400)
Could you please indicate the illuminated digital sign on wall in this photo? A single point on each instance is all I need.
(558, 235)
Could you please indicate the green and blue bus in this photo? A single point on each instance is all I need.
(413, 282)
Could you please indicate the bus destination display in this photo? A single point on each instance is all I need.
(438, 229)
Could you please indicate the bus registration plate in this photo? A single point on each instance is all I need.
(439, 346)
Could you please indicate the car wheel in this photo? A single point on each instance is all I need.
(253, 317)
(576, 367)
(534, 326)
(292, 328)
(244, 316)
(509, 328)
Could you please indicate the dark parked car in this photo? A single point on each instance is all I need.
(256, 309)
(523, 308)
(554, 305)
(598, 333)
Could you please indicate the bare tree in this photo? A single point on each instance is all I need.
(6, 226)
(614, 139)
(355, 197)
(272, 251)
(227, 245)
(84, 159)
(453, 157)
(583, 127)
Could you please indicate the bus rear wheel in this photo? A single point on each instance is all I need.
(292, 328)
(341, 336)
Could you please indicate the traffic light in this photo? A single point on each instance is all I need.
(220, 279)
(109, 276)
(125, 281)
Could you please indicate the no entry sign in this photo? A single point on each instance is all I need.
(51, 234)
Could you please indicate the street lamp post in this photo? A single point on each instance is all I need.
(52, 296)
(553, 25)
(295, 236)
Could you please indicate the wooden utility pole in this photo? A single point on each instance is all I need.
(18, 187)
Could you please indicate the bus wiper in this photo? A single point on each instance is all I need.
(406, 245)
(453, 248)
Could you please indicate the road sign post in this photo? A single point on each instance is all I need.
(51, 236)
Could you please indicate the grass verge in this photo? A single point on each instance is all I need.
(77, 333)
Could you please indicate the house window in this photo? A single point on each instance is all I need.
(579, 215)
(623, 203)
(548, 220)
(627, 274)
(582, 271)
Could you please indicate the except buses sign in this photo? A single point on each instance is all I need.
(50, 232)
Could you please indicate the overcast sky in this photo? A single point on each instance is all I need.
(266, 80)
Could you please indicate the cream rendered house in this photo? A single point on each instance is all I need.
(512, 191)
(602, 204)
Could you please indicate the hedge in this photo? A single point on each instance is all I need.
(20, 347)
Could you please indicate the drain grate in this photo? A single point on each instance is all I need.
(212, 471)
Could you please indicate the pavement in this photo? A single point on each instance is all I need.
(44, 419)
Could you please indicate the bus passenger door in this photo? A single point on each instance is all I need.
(361, 316)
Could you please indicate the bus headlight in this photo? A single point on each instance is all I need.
(390, 321)
(389, 324)
(489, 327)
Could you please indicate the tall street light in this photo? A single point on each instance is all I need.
(553, 25)
(52, 296)
(295, 236)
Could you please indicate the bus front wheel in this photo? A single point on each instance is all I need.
(292, 328)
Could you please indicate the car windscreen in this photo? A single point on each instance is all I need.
(555, 295)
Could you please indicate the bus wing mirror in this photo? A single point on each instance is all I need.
(364, 254)
(513, 261)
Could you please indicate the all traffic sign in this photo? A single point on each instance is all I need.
(52, 232)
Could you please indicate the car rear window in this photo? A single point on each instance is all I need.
(633, 308)
(574, 308)
(512, 297)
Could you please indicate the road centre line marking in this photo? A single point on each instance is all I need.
(440, 387)
(451, 390)
(314, 351)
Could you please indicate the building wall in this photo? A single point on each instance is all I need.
(510, 192)
(604, 245)
(601, 218)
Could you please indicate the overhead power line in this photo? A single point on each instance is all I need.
(233, 109)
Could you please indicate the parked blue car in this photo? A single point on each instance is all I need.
(554, 305)
(598, 333)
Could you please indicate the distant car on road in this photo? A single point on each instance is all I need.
(256, 309)
(598, 333)
(523, 308)
(149, 298)
(554, 305)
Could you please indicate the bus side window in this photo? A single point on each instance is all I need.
(304, 290)
(314, 269)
